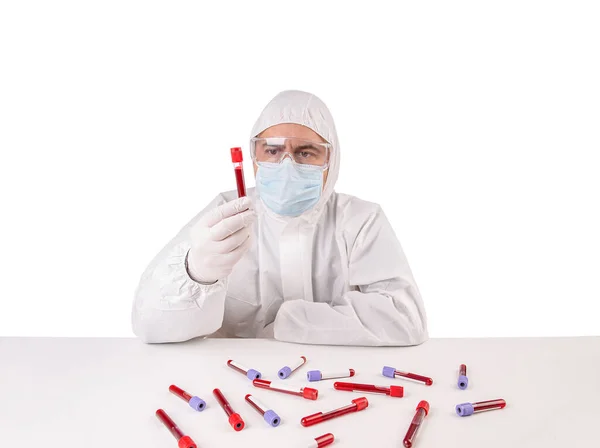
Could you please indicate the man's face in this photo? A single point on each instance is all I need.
(292, 130)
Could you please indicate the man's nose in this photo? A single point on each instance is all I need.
(287, 154)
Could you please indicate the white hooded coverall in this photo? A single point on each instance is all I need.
(334, 275)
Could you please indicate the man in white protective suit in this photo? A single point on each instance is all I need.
(293, 260)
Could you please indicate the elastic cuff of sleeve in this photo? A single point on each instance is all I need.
(187, 271)
(207, 291)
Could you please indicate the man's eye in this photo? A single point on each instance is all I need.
(271, 152)
(305, 154)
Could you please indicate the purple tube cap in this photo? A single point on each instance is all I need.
(272, 418)
(253, 374)
(463, 382)
(390, 372)
(464, 409)
(314, 375)
(284, 372)
(197, 404)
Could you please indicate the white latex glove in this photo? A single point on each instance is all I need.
(219, 240)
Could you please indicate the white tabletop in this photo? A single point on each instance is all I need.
(104, 392)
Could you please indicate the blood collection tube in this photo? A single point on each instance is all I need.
(392, 391)
(237, 158)
(235, 420)
(411, 434)
(286, 371)
(321, 441)
(250, 373)
(463, 381)
(466, 409)
(317, 375)
(183, 441)
(196, 403)
(305, 392)
(391, 372)
(358, 404)
(268, 414)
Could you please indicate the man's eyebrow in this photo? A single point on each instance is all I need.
(307, 146)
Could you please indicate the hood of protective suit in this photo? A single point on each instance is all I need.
(295, 106)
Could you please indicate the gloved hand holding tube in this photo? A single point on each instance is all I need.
(220, 239)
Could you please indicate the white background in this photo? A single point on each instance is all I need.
(476, 125)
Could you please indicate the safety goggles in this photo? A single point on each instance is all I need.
(302, 152)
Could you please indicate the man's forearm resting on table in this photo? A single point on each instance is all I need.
(365, 319)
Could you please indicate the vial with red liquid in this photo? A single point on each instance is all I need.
(195, 403)
(392, 391)
(466, 409)
(463, 381)
(321, 441)
(238, 168)
(391, 372)
(304, 392)
(250, 373)
(268, 414)
(358, 404)
(286, 371)
(235, 420)
(317, 375)
(413, 429)
(183, 441)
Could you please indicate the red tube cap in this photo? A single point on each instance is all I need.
(312, 419)
(310, 394)
(186, 442)
(396, 391)
(236, 422)
(236, 155)
(325, 439)
(360, 403)
(423, 405)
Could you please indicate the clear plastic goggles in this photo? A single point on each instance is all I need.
(303, 152)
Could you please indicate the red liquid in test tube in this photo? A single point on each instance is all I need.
(235, 420)
(286, 371)
(269, 415)
(250, 373)
(413, 429)
(321, 441)
(391, 372)
(358, 404)
(466, 409)
(305, 392)
(196, 403)
(463, 381)
(317, 375)
(392, 391)
(237, 158)
(182, 440)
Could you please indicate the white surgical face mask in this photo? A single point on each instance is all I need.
(287, 188)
